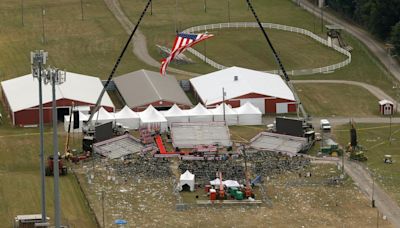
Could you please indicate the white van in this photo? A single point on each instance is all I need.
(325, 125)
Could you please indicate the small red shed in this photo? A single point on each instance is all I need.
(386, 107)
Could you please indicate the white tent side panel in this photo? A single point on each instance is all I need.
(130, 123)
(177, 119)
(152, 125)
(249, 119)
(230, 119)
(200, 118)
(66, 123)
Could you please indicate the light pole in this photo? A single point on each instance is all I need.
(82, 10)
(205, 6)
(38, 59)
(55, 77)
(22, 12)
(229, 12)
(223, 103)
(43, 32)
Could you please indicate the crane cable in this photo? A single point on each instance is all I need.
(117, 63)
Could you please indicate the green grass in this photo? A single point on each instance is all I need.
(244, 133)
(337, 100)
(20, 183)
(88, 47)
(375, 138)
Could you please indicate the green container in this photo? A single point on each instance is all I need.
(238, 195)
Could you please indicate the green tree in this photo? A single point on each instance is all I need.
(395, 37)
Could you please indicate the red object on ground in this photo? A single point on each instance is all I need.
(213, 194)
(160, 145)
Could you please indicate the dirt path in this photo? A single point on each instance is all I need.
(386, 205)
(377, 92)
(376, 47)
(139, 40)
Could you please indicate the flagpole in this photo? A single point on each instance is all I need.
(176, 15)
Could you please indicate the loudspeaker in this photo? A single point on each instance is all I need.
(76, 119)
(353, 137)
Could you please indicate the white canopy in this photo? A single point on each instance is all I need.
(151, 118)
(175, 115)
(102, 116)
(199, 114)
(187, 178)
(227, 183)
(82, 117)
(127, 118)
(248, 114)
(231, 116)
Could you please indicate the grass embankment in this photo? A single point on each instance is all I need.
(375, 139)
(89, 47)
(20, 183)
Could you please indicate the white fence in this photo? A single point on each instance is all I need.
(271, 26)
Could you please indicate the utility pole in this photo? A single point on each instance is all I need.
(151, 8)
(205, 6)
(373, 191)
(55, 77)
(176, 16)
(43, 32)
(223, 103)
(22, 12)
(82, 10)
(38, 59)
(390, 128)
(229, 12)
(102, 207)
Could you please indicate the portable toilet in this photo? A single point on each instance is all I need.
(386, 107)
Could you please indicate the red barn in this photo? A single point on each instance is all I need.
(21, 97)
(268, 92)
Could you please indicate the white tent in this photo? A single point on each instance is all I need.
(102, 116)
(151, 118)
(175, 115)
(215, 182)
(127, 118)
(82, 117)
(186, 178)
(199, 114)
(231, 184)
(248, 114)
(231, 116)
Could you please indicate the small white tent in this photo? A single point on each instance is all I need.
(102, 116)
(175, 115)
(151, 118)
(248, 114)
(127, 118)
(231, 116)
(199, 114)
(186, 178)
(82, 117)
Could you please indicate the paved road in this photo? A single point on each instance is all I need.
(139, 40)
(373, 45)
(363, 179)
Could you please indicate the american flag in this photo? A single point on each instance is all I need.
(182, 42)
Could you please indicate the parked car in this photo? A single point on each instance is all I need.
(325, 125)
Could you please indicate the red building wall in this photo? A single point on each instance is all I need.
(31, 116)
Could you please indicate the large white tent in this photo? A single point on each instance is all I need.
(127, 118)
(151, 118)
(231, 116)
(175, 115)
(186, 178)
(199, 114)
(102, 116)
(248, 114)
(82, 117)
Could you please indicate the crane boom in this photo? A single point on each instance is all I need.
(97, 105)
(279, 62)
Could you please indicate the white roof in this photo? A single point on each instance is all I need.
(174, 111)
(209, 86)
(151, 115)
(187, 176)
(199, 110)
(23, 92)
(102, 114)
(247, 108)
(219, 110)
(126, 113)
(382, 102)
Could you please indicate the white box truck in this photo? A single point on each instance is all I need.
(325, 125)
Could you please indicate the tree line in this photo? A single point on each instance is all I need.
(380, 17)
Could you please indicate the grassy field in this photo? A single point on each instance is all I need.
(337, 100)
(243, 134)
(375, 138)
(20, 183)
(88, 47)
